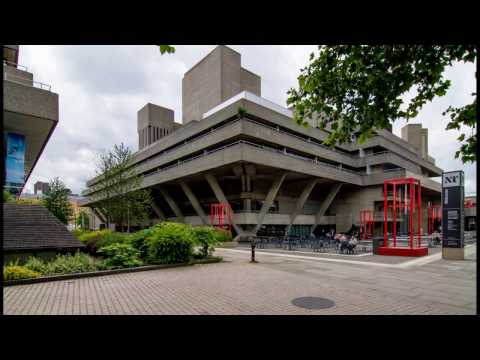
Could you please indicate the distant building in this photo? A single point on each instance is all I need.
(44, 187)
(470, 213)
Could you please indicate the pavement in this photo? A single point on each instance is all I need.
(278, 283)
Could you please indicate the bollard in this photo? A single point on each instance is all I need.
(253, 250)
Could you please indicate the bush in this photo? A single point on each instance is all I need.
(16, 272)
(206, 237)
(94, 240)
(170, 243)
(138, 241)
(66, 264)
(121, 255)
(223, 235)
(79, 233)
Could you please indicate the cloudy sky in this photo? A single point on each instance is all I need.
(101, 88)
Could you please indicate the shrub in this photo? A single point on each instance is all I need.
(36, 264)
(78, 233)
(223, 235)
(206, 237)
(121, 255)
(16, 272)
(170, 243)
(94, 240)
(66, 264)
(138, 241)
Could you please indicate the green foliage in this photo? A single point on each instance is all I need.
(206, 237)
(29, 202)
(241, 112)
(166, 49)
(16, 272)
(121, 255)
(56, 200)
(170, 243)
(116, 191)
(223, 235)
(357, 89)
(138, 241)
(83, 220)
(94, 240)
(8, 197)
(65, 264)
(79, 233)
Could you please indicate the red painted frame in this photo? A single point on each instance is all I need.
(414, 188)
(434, 212)
(366, 224)
(222, 212)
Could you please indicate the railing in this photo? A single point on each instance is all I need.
(18, 66)
(22, 80)
(263, 147)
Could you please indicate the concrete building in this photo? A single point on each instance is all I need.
(30, 115)
(44, 187)
(235, 146)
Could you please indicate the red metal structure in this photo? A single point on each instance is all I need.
(221, 216)
(366, 224)
(406, 204)
(434, 215)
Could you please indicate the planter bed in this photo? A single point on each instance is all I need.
(107, 272)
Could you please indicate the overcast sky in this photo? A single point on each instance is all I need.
(101, 88)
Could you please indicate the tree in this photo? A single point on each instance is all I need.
(357, 89)
(166, 49)
(83, 220)
(117, 192)
(8, 197)
(56, 200)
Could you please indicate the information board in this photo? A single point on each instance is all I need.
(453, 209)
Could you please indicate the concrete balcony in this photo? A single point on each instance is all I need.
(30, 109)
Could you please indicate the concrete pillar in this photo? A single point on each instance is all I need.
(173, 205)
(99, 214)
(158, 211)
(307, 190)
(325, 205)
(193, 200)
(271, 195)
(217, 190)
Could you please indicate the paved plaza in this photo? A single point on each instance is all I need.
(274, 285)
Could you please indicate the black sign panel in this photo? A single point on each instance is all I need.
(453, 209)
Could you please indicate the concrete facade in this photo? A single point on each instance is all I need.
(30, 109)
(275, 175)
(216, 78)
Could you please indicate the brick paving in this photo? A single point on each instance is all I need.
(268, 287)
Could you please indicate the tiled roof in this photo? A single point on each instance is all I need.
(28, 227)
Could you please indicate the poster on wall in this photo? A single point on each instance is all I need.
(15, 161)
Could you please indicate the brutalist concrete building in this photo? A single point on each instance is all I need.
(277, 176)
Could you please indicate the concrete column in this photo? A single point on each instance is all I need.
(271, 195)
(307, 190)
(217, 190)
(172, 204)
(99, 214)
(325, 205)
(193, 200)
(158, 211)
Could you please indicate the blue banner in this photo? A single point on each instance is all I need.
(15, 160)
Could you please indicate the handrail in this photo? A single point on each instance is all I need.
(263, 147)
(39, 84)
(22, 67)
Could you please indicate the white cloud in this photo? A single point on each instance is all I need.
(101, 88)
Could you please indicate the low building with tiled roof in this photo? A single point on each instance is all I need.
(34, 230)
